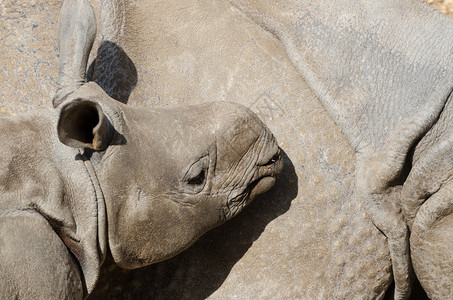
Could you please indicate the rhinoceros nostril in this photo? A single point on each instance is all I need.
(272, 160)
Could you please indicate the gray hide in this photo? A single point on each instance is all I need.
(386, 78)
(316, 235)
(140, 184)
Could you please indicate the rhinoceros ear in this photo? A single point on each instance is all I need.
(83, 124)
(76, 33)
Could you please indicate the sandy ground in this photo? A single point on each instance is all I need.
(445, 6)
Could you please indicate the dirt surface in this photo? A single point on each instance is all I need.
(445, 6)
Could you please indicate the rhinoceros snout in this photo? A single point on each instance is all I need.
(248, 142)
(269, 165)
(267, 177)
(272, 167)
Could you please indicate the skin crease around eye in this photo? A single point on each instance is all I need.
(196, 175)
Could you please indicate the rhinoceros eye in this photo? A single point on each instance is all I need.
(197, 173)
(199, 179)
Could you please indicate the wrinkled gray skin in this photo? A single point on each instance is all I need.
(144, 184)
(386, 78)
(381, 70)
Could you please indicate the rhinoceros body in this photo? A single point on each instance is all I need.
(349, 89)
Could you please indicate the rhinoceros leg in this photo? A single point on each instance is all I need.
(431, 244)
(34, 262)
(385, 216)
(427, 204)
(76, 33)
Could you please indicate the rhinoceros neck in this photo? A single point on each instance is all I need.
(35, 166)
(38, 172)
(26, 171)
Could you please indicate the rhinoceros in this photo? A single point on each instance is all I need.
(96, 176)
(357, 93)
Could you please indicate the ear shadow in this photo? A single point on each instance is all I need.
(113, 71)
(200, 271)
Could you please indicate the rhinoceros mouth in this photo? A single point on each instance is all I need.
(265, 178)
(261, 186)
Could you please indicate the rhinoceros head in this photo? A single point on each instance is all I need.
(168, 175)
